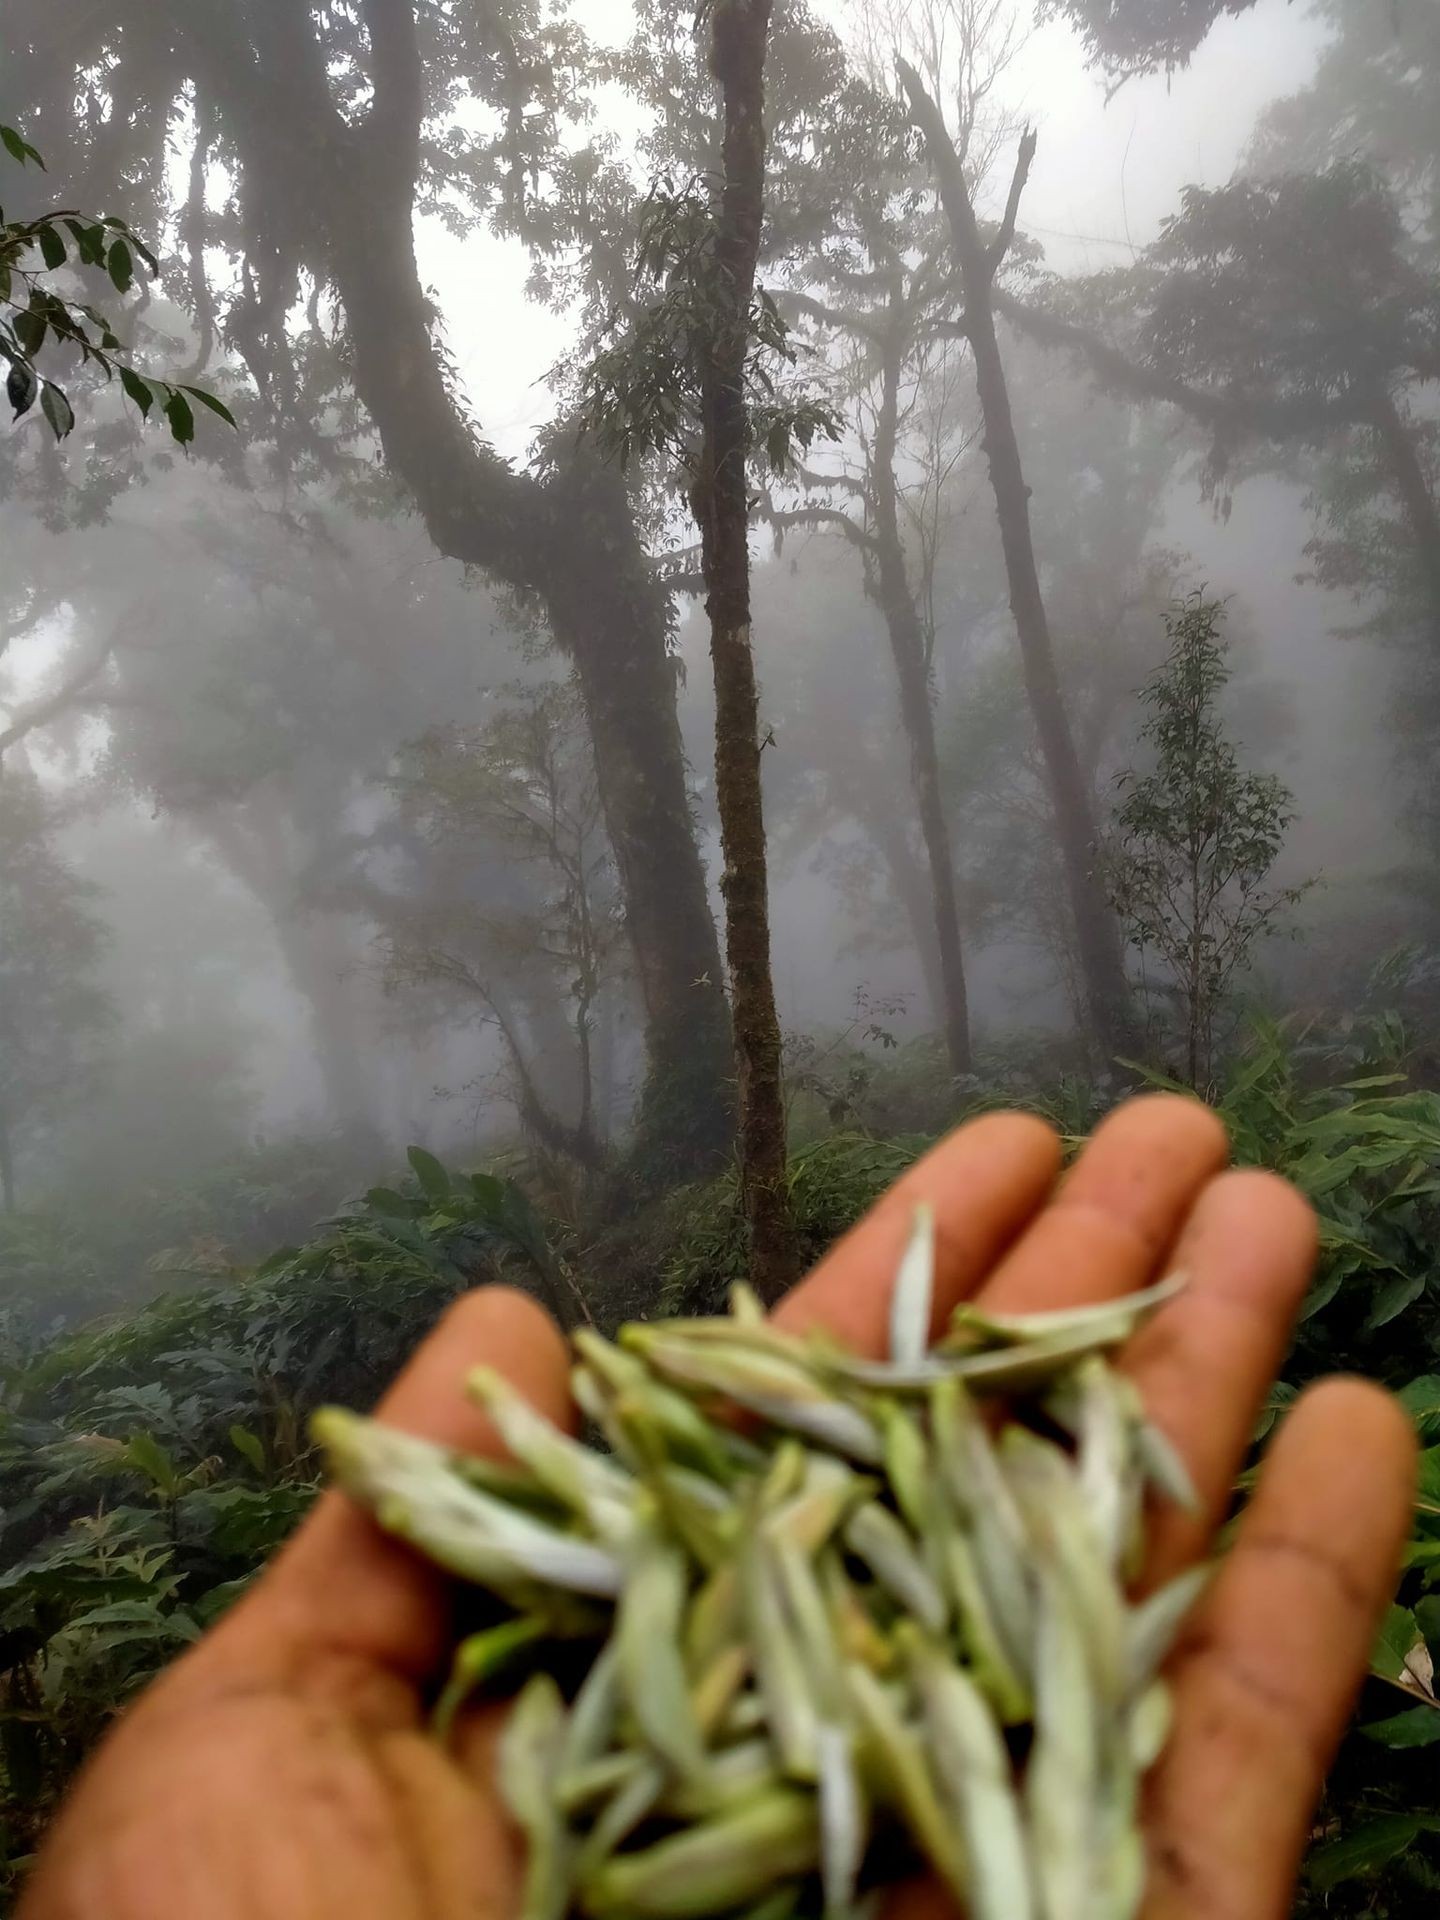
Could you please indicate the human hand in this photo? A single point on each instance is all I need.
(283, 1769)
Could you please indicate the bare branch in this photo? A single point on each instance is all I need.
(65, 696)
(1000, 245)
(1238, 414)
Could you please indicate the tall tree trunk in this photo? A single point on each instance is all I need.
(1097, 937)
(259, 850)
(568, 540)
(888, 584)
(321, 962)
(910, 883)
(534, 1103)
(613, 620)
(7, 1167)
(722, 513)
(1416, 498)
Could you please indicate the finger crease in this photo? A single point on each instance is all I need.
(1172, 1335)
(1319, 1559)
(1264, 1696)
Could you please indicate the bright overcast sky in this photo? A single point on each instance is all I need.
(1105, 175)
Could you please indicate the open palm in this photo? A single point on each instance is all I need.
(282, 1769)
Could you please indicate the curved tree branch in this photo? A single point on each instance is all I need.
(63, 699)
(1000, 245)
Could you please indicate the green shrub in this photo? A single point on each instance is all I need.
(149, 1463)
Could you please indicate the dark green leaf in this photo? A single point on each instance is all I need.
(1321, 1294)
(52, 246)
(115, 1613)
(137, 245)
(210, 1606)
(434, 1180)
(121, 266)
(1396, 1641)
(182, 420)
(29, 328)
(489, 1191)
(14, 145)
(146, 1454)
(140, 391)
(57, 410)
(249, 1446)
(209, 400)
(1394, 1297)
(385, 1200)
(1416, 1727)
(21, 386)
(1368, 1848)
(1421, 1400)
(90, 239)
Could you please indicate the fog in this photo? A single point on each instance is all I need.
(316, 844)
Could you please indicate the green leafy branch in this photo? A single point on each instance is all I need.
(640, 392)
(32, 312)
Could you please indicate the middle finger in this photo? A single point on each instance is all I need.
(1114, 1220)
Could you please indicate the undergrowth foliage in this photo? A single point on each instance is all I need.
(151, 1460)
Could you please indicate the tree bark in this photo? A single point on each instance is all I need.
(568, 540)
(1097, 937)
(7, 1168)
(910, 883)
(889, 586)
(259, 852)
(612, 617)
(1416, 498)
(721, 509)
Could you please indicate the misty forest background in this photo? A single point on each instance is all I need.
(552, 725)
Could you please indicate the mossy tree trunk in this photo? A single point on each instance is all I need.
(565, 540)
(721, 505)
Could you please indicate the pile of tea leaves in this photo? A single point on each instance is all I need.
(810, 1622)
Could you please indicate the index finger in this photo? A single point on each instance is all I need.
(984, 1182)
(343, 1587)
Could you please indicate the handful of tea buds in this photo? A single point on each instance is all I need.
(881, 1621)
